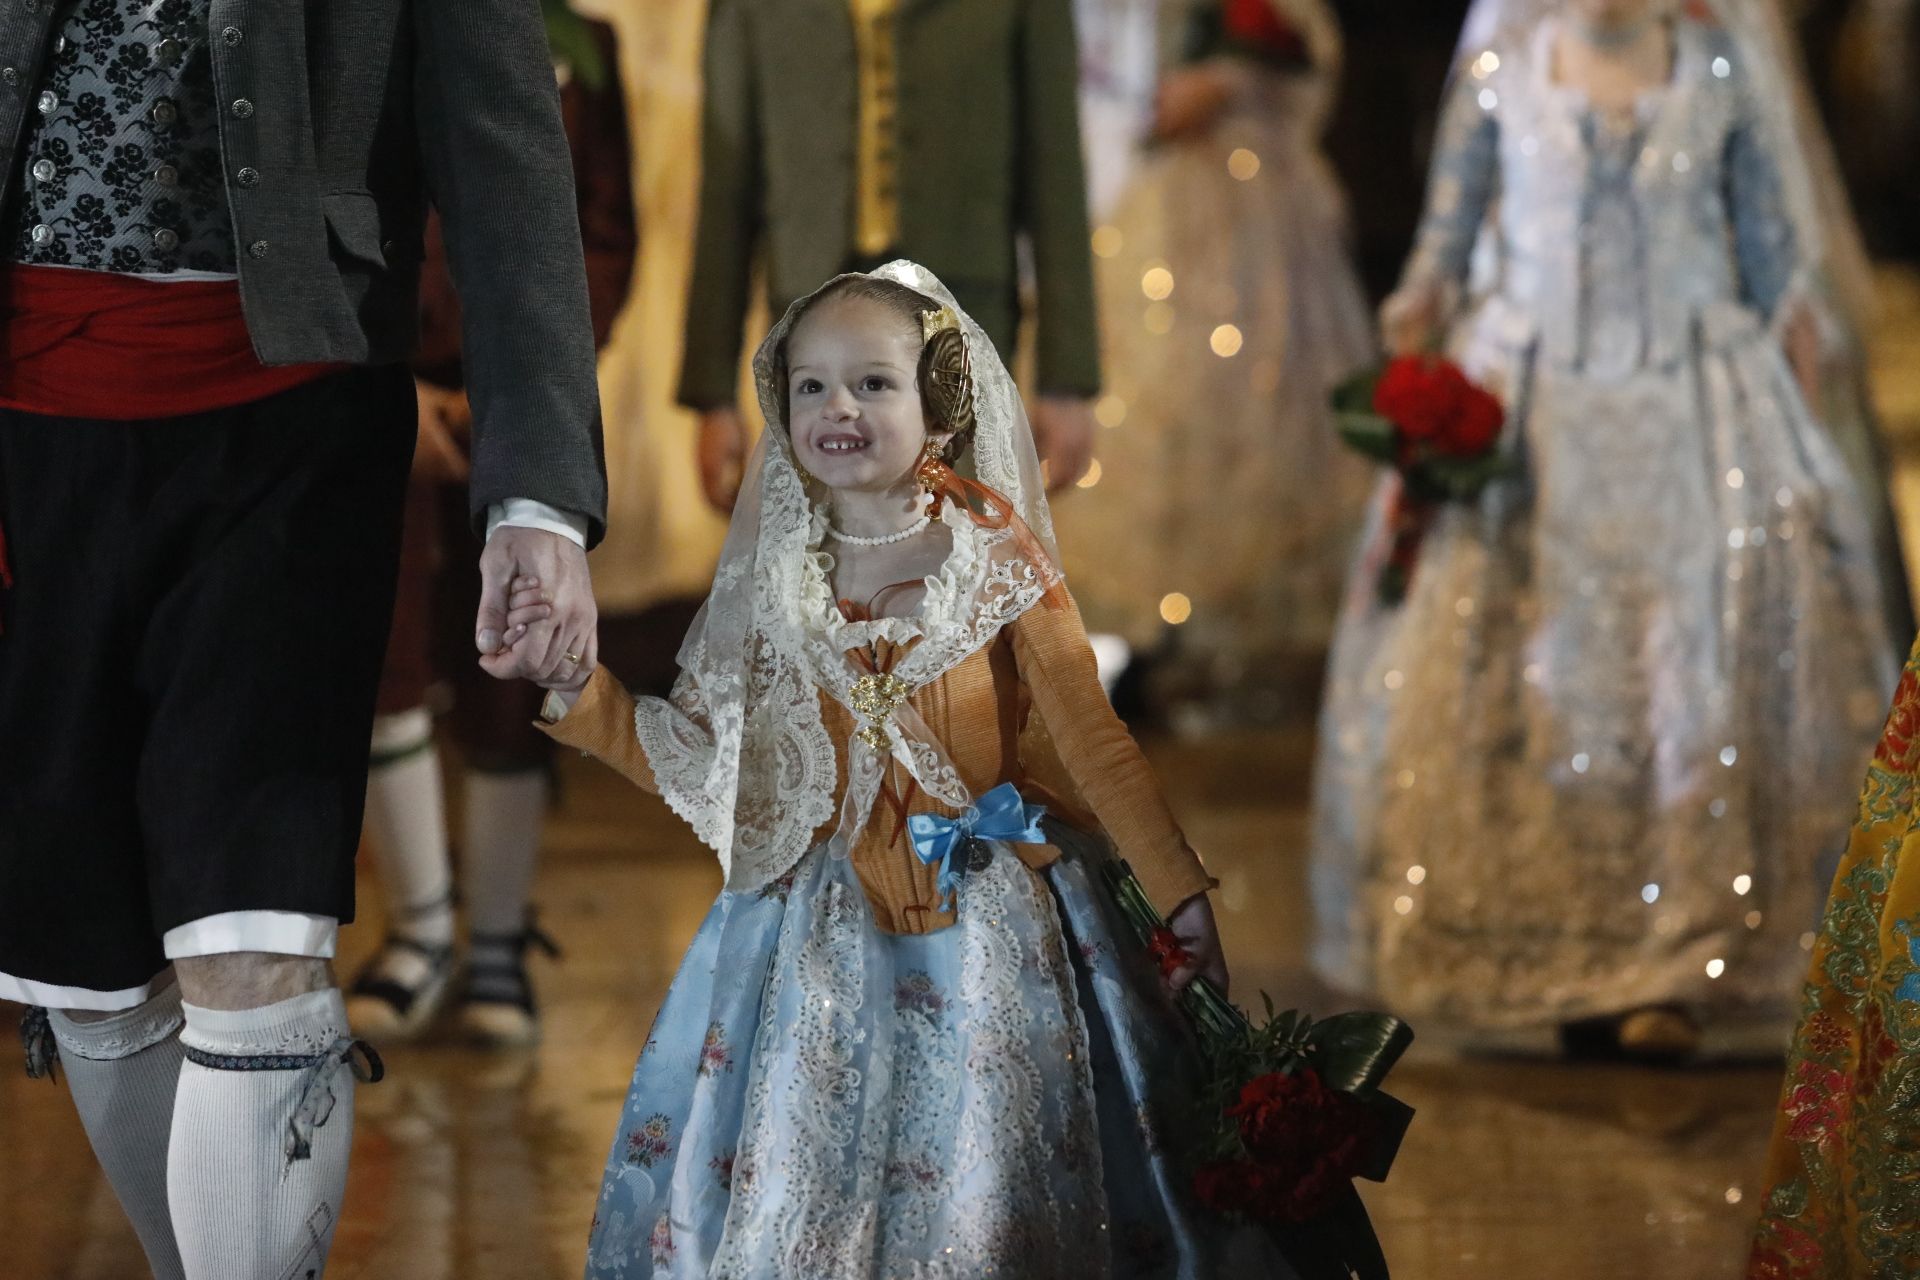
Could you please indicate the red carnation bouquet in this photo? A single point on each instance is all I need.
(1439, 430)
(1290, 1111)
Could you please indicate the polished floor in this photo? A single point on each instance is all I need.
(484, 1167)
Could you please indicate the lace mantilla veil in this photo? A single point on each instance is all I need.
(1837, 277)
(740, 748)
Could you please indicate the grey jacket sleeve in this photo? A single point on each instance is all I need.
(499, 170)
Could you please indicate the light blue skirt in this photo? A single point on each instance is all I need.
(820, 1100)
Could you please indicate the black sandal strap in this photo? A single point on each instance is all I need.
(371, 983)
(497, 966)
(518, 944)
(387, 991)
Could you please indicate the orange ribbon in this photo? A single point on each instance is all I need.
(991, 509)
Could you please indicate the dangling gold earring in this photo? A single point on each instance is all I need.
(930, 467)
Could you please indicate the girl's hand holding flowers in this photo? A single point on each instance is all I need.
(1199, 954)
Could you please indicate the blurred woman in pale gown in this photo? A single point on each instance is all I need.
(1584, 775)
(1229, 307)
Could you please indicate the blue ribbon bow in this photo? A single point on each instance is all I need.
(1000, 815)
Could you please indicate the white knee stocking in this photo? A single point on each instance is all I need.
(261, 1133)
(123, 1072)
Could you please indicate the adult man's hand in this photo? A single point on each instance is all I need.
(1063, 430)
(559, 651)
(721, 452)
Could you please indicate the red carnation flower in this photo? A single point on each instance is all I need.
(1476, 423)
(1408, 396)
(1307, 1141)
(1256, 22)
(1164, 946)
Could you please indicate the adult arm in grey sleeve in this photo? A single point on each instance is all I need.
(499, 169)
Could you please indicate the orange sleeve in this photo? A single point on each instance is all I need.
(601, 724)
(1056, 664)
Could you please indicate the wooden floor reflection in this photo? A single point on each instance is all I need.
(477, 1167)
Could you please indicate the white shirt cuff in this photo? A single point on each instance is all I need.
(525, 513)
(286, 933)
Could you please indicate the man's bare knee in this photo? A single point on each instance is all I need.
(159, 986)
(249, 979)
(90, 1015)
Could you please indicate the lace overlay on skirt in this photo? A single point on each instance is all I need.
(823, 1099)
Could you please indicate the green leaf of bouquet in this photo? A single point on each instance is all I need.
(1355, 395)
(1368, 433)
(1355, 1051)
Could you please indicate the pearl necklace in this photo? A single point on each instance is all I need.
(886, 539)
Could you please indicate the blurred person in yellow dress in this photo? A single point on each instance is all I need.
(1843, 1200)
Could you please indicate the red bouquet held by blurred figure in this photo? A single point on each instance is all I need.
(1258, 23)
(1422, 415)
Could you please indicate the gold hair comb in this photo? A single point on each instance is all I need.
(935, 322)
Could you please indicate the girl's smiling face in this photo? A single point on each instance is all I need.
(854, 407)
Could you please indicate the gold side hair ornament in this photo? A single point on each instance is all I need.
(933, 323)
(946, 373)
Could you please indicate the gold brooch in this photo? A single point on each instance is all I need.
(876, 697)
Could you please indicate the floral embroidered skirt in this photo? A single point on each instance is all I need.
(822, 1099)
(1843, 1176)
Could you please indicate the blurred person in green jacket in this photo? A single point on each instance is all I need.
(839, 134)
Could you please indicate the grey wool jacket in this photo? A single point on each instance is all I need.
(354, 114)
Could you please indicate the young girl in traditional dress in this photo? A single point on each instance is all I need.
(912, 1037)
